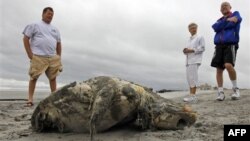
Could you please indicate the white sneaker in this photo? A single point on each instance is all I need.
(190, 98)
(221, 96)
(236, 94)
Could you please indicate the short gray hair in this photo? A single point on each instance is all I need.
(192, 24)
(226, 3)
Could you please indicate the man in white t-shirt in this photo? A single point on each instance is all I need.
(193, 51)
(42, 43)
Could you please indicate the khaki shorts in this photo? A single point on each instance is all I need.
(52, 66)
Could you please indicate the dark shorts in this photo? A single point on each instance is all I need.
(224, 54)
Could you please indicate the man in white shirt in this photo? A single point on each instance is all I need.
(42, 43)
(193, 51)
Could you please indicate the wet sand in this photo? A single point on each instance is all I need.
(212, 115)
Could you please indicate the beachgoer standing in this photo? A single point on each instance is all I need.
(226, 40)
(42, 43)
(193, 51)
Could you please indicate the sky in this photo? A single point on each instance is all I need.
(136, 40)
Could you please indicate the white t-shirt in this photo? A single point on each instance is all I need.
(43, 38)
(197, 43)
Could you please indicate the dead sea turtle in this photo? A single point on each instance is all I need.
(103, 102)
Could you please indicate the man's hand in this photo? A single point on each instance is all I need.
(232, 19)
(187, 50)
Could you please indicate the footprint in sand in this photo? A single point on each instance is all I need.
(23, 117)
(3, 127)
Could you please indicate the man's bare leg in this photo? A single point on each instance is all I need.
(52, 83)
(231, 71)
(193, 90)
(219, 77)
(232, 75)
(32, 86)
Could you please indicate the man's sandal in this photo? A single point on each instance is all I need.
(29, 104)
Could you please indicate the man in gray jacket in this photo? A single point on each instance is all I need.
(193, 51)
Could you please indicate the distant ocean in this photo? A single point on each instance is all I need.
(21, 93)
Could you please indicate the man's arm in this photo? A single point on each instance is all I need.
(219, 25)
(201, 47)
(26, 42)
(58, 48)
(188, 50)
(233, 21)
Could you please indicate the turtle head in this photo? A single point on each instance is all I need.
(174, 117)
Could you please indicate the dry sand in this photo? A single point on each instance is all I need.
(212, 115)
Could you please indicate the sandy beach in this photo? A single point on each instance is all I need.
(212, 115)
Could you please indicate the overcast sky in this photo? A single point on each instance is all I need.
(137, 40)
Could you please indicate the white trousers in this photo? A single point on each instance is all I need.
(192, 75)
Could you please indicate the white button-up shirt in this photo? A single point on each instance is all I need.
(197, 43)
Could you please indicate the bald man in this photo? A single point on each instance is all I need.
(226, 40)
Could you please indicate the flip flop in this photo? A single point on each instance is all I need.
(29, 104)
